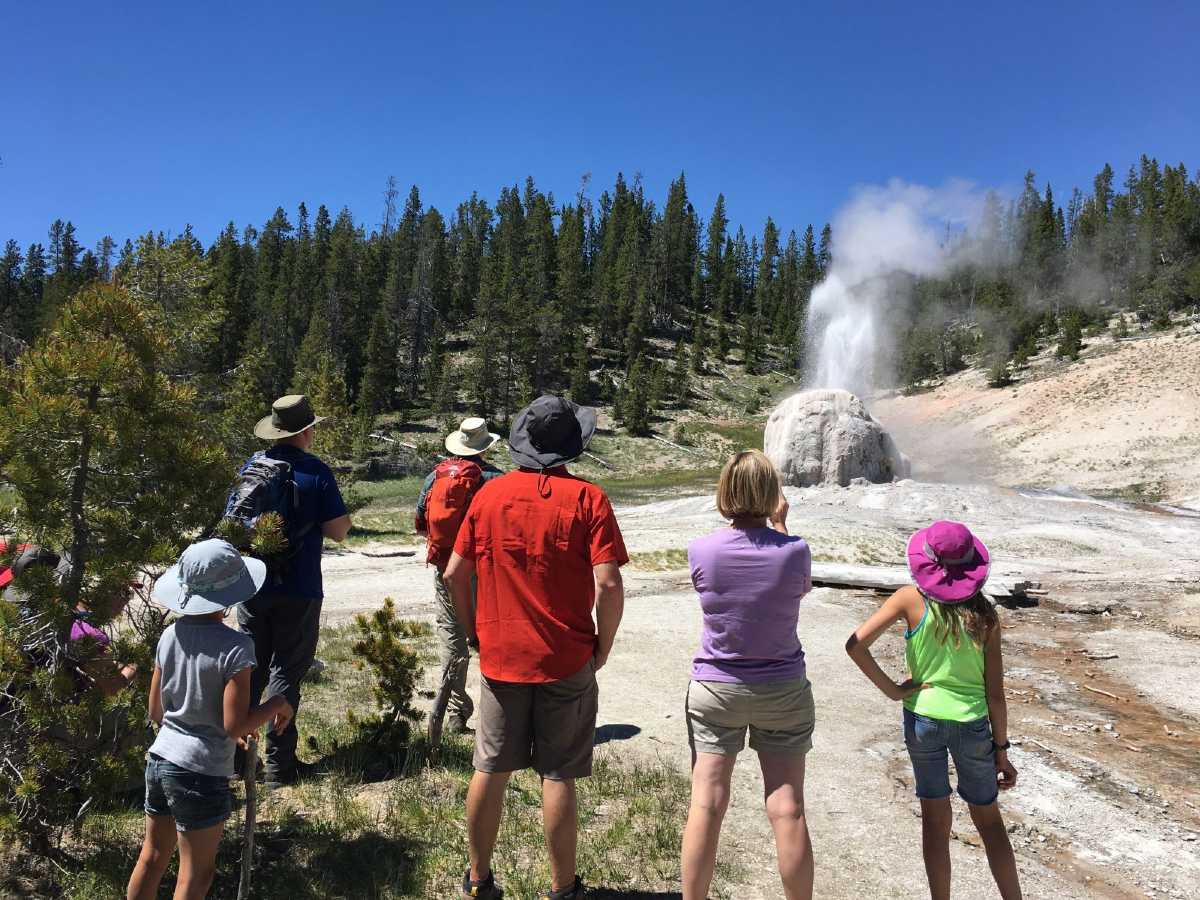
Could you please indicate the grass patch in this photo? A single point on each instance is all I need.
(636, 489)
(660, 560)
(1139, 492)
(345, 832)
(384, 510)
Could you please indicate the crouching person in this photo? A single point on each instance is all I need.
(546, 548)
(200, 697)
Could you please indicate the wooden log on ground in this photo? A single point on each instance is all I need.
(891, 578)
(676, 446)
(599, 460)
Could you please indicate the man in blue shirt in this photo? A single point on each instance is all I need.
(284, 618)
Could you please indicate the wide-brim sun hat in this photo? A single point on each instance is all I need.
(289, 416)
(549, 432)
(948, 563)
(209, 577)
(471, 438)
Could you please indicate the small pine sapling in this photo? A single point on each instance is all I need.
(383, 647)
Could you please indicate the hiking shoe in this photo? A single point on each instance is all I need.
(458, 725)
(481, 890)
(574, 892)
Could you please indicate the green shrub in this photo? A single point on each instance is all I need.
(396, 667)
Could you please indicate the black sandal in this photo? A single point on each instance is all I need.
(484, 889)
(574, 892)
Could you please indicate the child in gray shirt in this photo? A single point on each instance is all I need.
(200, 696)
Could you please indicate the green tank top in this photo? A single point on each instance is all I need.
(954, 673)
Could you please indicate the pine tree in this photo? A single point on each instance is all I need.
(111, 461)
(336, 436)
(634, 408)
(825, 252)
(247, 398)
(31, 313)
(379, 376)
(681, 374)
(445, 397)
(581, 381)
(10, 285)
(699, 344)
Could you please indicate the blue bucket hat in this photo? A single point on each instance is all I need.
(210, 576)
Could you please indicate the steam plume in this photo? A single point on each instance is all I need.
(883, 238)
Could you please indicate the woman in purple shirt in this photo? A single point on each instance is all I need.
(749, 673)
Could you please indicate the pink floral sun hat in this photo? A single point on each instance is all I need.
(947, 562)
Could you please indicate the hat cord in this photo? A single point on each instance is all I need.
(946, 563)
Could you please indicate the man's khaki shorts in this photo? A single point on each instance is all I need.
(779, 714)
(551, 727)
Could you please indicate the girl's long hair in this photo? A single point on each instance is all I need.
(975, 618)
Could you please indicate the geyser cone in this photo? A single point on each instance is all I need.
(828, 437)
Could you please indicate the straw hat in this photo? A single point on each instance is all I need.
(471, 439)
(289, 415)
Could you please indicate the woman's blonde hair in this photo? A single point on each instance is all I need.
(749, 487)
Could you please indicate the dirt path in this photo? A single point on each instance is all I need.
(1091, 816)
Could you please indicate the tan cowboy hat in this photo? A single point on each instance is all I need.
(471, 439)
(289, 415)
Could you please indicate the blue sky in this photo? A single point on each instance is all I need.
(135, 116)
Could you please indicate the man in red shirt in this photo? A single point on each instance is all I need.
(546, 548)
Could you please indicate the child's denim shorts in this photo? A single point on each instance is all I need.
(195, 801)
(929, 742)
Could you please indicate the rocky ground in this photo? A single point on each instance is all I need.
(1100, 674)
(1123, 419)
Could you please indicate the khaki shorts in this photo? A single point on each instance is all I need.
(551, 727)
(779, 714)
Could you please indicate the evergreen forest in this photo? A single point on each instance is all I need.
(613, 300)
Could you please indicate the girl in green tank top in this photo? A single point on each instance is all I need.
(943, 655)
(953, 696)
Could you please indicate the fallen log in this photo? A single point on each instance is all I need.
(606, 465)
(892, 578)
(676, 446)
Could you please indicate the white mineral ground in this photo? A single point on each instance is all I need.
(1108, 803)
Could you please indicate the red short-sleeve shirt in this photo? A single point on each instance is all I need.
(534, 538)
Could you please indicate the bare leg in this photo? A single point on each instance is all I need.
(157, 850)
(197, 862)
(561, 822)
(711, 774)
(485, 804)
(936, 819)
(783, 786)
(1000, 856)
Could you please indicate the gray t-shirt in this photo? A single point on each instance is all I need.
(197, 657)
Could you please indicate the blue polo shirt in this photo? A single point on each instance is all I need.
(320, 502)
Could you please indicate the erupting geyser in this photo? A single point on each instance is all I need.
(828, 437)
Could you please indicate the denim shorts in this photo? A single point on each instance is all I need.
(929, 741)
(195, 801)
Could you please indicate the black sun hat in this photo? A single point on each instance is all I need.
(550, 432)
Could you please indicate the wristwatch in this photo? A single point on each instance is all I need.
(999, 747)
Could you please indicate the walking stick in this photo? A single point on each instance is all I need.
(249, 771)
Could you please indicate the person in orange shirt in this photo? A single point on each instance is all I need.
(545, 548)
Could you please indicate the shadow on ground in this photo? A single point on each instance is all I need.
(614, 732)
